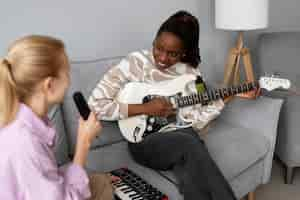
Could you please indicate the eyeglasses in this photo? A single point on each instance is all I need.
(170, 54)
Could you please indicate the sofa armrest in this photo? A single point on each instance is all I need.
(260, 115)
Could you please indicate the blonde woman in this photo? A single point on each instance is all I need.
(33, 77)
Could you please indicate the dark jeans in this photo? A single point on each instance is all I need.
(185, 153)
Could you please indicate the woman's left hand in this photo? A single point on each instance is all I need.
(250, 95)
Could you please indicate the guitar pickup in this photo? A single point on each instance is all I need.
(135, 132)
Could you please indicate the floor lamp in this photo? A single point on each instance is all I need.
(240, 15)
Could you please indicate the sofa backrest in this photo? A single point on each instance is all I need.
(61, 147)
(84, 77)
(280, 52)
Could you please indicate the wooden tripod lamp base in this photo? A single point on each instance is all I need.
(232, 69)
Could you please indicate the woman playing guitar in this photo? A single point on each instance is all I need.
(175, 52)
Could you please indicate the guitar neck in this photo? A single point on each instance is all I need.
(215, 94)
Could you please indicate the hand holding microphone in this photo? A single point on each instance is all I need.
(89, 127)
(89, 124)
(81, 104)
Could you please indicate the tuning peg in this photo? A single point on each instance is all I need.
(266, 74)
(276, 74)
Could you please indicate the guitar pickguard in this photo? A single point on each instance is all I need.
(134, 129)
(155, 123)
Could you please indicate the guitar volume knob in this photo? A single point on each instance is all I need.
(149, 128)
(151, 120)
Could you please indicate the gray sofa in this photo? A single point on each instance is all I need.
(280, 52)
(241, 140)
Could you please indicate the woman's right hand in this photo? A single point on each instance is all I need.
(87, 131)
(159, 107)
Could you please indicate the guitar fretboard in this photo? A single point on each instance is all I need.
(215, 94)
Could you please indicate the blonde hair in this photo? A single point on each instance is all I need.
(29, 60)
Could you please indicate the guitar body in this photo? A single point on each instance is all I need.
(133, 128)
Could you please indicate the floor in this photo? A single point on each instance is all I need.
(277, 189)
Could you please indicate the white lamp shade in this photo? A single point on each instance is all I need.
(241, 14)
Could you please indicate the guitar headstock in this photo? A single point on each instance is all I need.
(271, 83)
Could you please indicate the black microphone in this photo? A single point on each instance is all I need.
(81, 105)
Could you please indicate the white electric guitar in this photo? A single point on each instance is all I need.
(136, 128)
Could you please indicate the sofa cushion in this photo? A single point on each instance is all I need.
(288, 140)
(84, 77)
(117, 155)
(234, 148)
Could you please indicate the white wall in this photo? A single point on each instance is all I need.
(93, 28)
(97, 28)
(100, 28)
(284, 15)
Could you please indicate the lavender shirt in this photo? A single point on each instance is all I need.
(28, 169)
